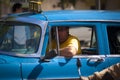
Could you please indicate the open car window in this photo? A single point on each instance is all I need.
(87, 38)
(85, 34)
(19, 37)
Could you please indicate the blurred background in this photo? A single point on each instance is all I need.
(5, 5)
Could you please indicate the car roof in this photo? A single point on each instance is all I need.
(74, 15)
(82, 15)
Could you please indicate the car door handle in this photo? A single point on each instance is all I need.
(96, 59)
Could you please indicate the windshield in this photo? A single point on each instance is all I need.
(19, 37)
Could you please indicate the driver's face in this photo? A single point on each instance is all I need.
(63, 34)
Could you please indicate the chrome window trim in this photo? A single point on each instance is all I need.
(42, 38)
(89, 20)
(59, 78)
(114, 56)
(84, 56)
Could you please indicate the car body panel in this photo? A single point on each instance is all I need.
(113, 59)
(90, 64)
(9, 68)
(58, 68)
(10, 71)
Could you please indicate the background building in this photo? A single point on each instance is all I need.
(5, 5)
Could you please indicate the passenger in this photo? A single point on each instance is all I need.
(69, 44)
(19, 31)
(17, 8)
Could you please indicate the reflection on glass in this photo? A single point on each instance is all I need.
(22, 38)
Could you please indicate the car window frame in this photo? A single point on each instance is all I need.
(82, 23)
(19, 54)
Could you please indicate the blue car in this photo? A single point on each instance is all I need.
(24, 40)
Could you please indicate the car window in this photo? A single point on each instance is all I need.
(87, 38)
(19, 37)
(114, 39)
(85, 34)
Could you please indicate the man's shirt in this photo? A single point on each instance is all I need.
(71, 41)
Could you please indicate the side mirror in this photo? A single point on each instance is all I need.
(50, 55)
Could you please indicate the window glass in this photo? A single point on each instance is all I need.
(114, 39)
(19, 37)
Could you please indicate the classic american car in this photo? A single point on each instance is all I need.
(24, 38)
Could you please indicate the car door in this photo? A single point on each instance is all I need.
(93, 57)
(57, 68)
